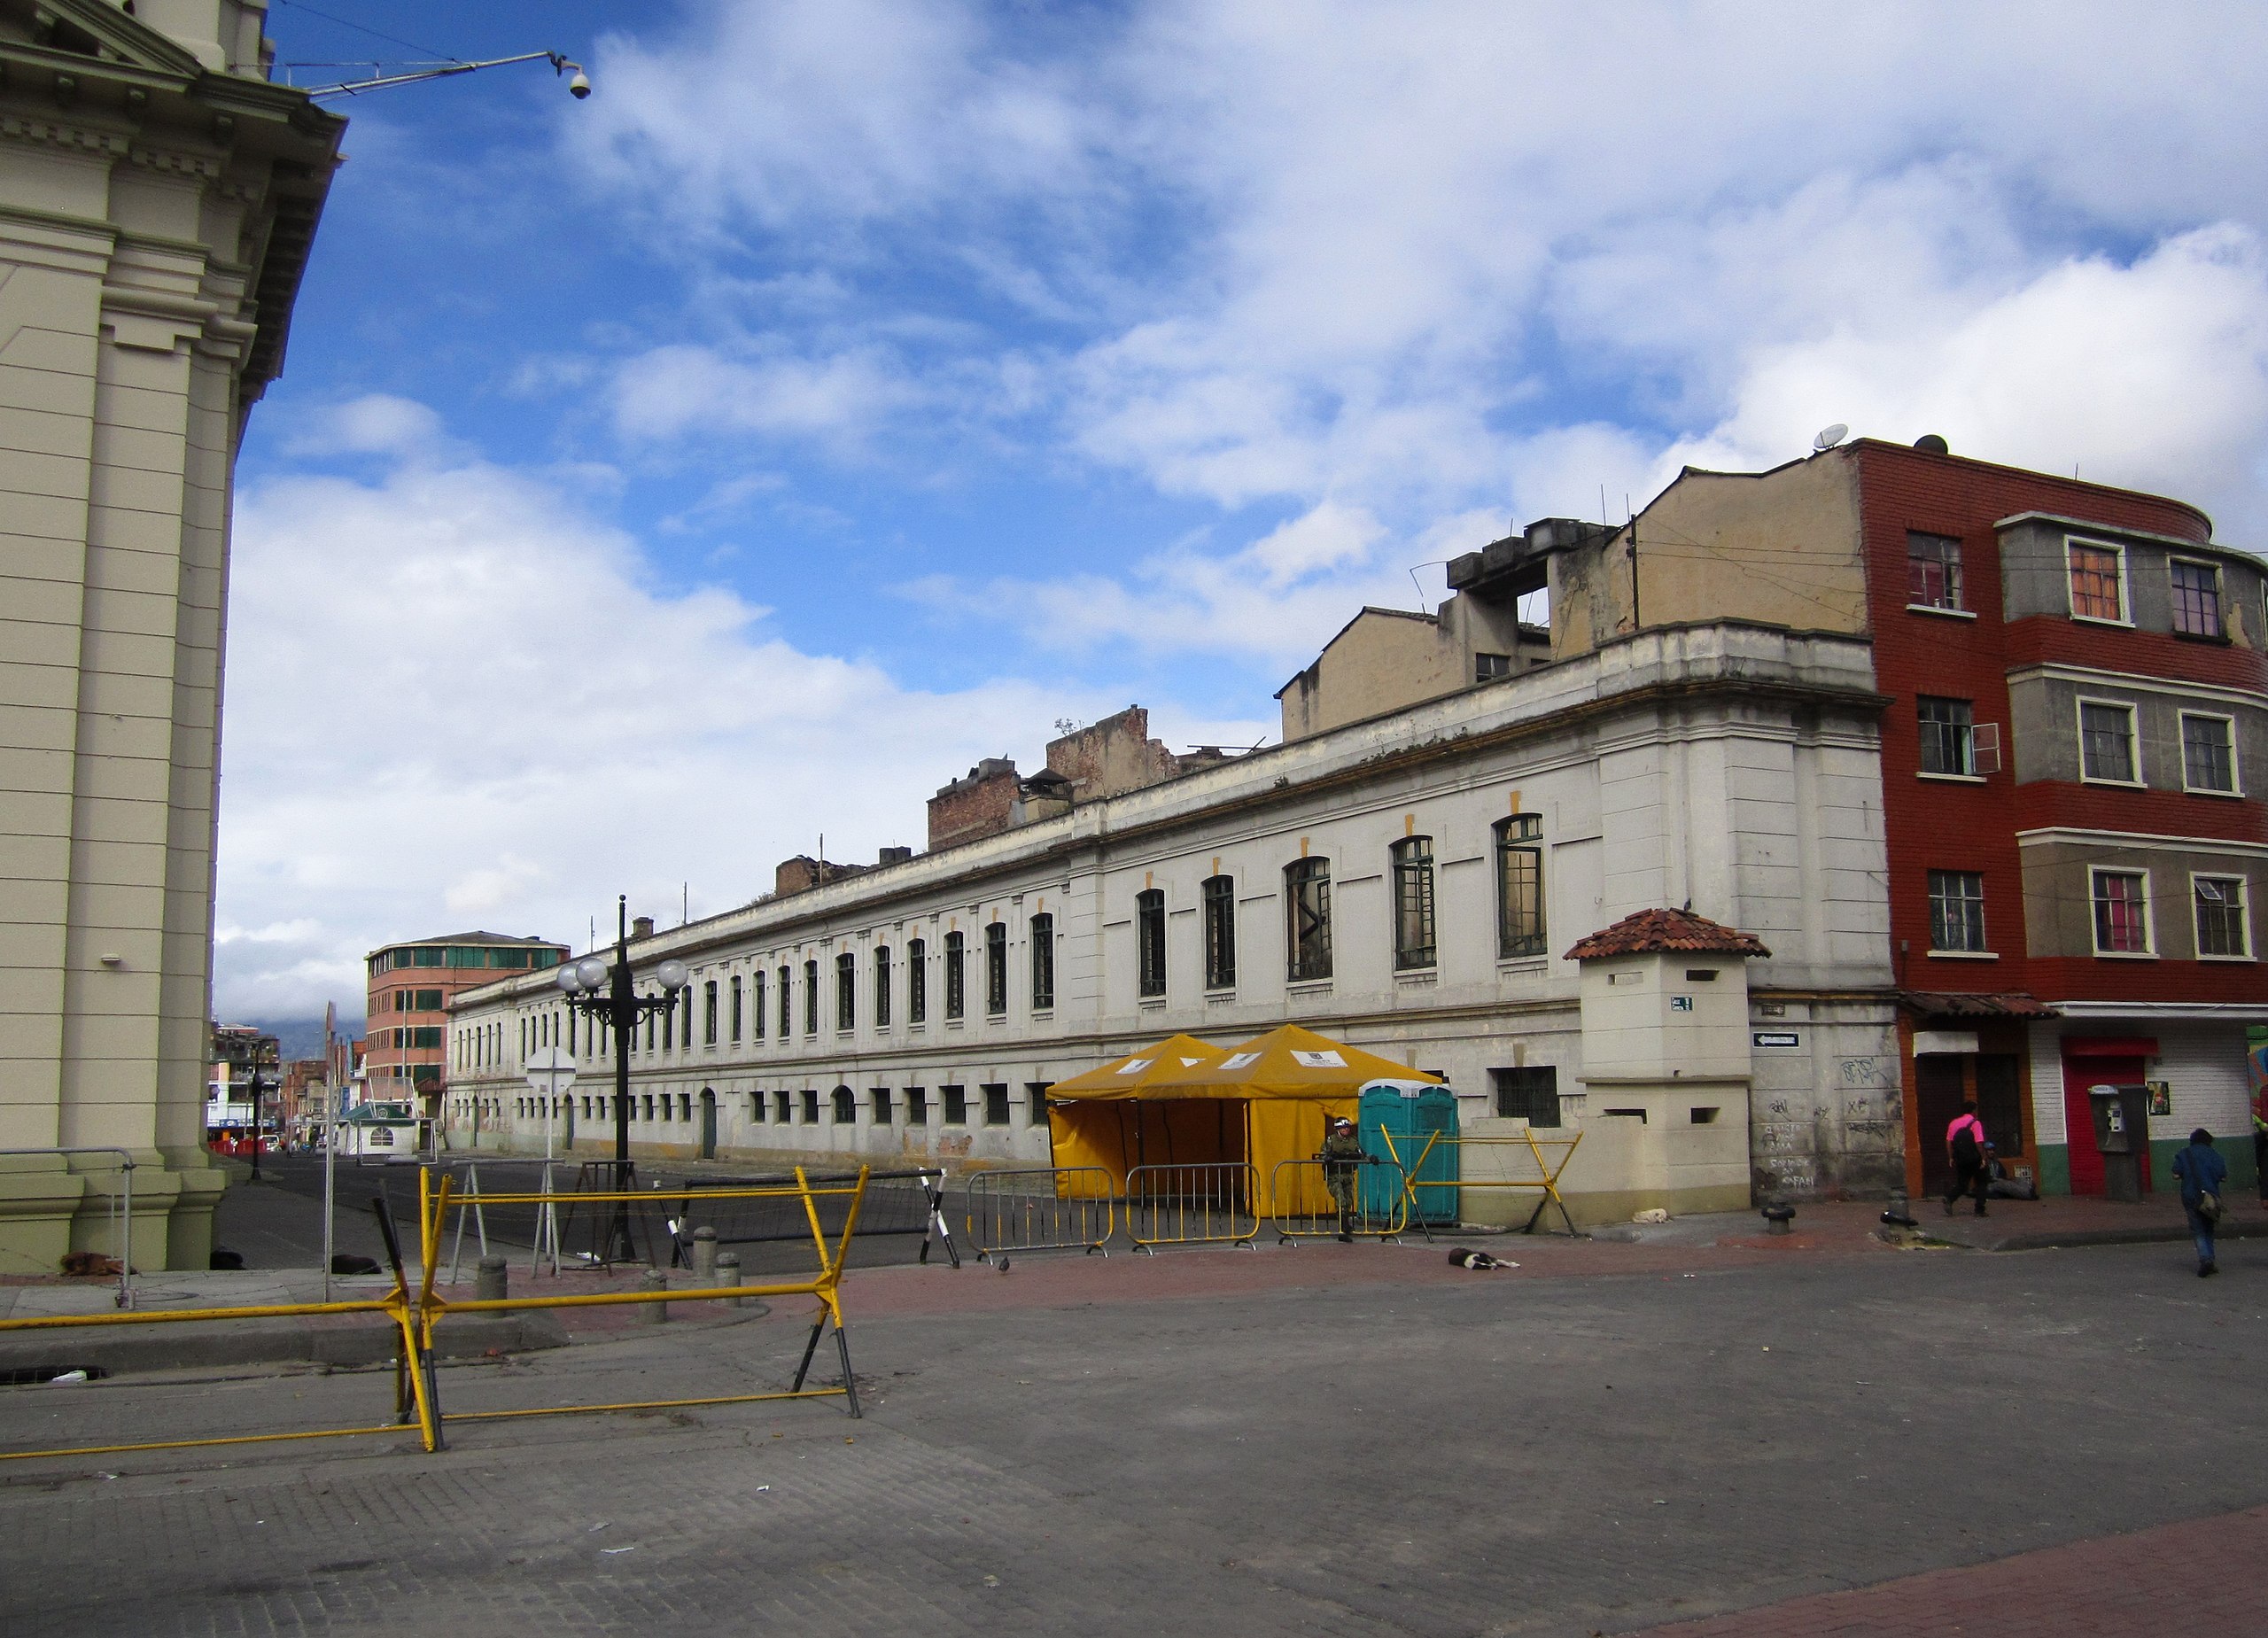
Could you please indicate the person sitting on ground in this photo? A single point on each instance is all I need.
(2002, 1185)
(2202, 1171)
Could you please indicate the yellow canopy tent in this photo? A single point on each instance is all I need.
(1263, 1102)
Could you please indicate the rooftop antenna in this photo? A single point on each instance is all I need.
(1829, 437)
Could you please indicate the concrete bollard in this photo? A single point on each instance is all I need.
(653, 1312)
(705, 1257)
(492, 1283)
(728, 1273)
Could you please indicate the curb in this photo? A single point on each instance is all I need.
(187, 1345)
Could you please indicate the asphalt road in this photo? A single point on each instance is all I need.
(1497, 1456)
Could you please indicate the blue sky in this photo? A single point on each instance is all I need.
(847, 391)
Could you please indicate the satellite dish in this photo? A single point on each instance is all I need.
(1829, 437)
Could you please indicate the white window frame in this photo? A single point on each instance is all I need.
(2244, 886)
(2149, 950)
(2133, 741)
(2126, 581)
(1983, 952)
(2236, 768)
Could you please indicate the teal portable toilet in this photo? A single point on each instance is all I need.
(1411, 1112)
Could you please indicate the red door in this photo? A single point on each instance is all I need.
(2078, 1116)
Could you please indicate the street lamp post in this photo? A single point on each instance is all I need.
(609, 995)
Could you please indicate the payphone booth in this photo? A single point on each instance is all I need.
(2122, 1133)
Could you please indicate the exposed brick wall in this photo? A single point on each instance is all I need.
(979, 804)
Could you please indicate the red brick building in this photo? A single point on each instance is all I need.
(410, 988)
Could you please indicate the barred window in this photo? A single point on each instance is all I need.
(2196, 598)
(1932, 570)
(2121, 913)
(996, 1104)
(846, 1105)
(786, 1013)
(881, 986)
(1413, 903)
(2098, 591)
(956, 1110)
(2106, 741)
(1220, 899)
(1530, 1093)
(917, 981)
(2208, 754)
(956, 989)
(811, 998)
(846, 991)
(1520, 885)
(1150, 941)
(996, 969)
(2221, 924)
(1307, 909)
(1948, 735)
(1043, 963)
(709, 1013)
(1957, 910)
(735, 1012)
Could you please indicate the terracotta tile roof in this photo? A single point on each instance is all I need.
(1941, 1004)
(1652, 931)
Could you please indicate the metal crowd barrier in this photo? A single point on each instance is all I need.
(896, 1203)
(1517, 1162)
(415, 1313)
(1024, 1209)
(1303, 1207)
(1192, 1204)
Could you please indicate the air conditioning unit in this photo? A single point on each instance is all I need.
(1987, 747)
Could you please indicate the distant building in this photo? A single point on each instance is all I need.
(1961, 768)
(158, 197)
(241, 1097)
(411, 986)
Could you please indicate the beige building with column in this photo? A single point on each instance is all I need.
(158, 200)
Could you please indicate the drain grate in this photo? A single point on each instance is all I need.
(29, 1376)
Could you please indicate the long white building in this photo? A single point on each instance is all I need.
(1410, 882)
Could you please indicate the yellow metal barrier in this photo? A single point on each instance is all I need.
(1190, 1205)
(1515, 1162)
(1302, 1206)
(1022, 1208)
(416, 1313)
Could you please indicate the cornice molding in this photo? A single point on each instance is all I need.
(63, 134)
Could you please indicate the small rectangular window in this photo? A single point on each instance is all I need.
(1036, 1094)
(1957, 910)
(2121, 913)
(2098, 582)
(1043, 963)
(2106, 741)
(880, 1098)
(1932, 570)
(1220, 900)
(1150, 941)
(956, 1099)
(917, 1106)
(996, 1105)
(2222, 926)
(811, 1105)
(782, 1107)
(1530, 1093)
(1490, 667)
(2209, 754)
(2196, 598)
(996, 969)
(1948, 735)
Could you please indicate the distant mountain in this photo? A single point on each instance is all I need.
(300, 1038)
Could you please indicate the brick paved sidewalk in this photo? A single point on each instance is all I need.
(2192, 1577)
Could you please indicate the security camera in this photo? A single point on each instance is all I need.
(579, 87)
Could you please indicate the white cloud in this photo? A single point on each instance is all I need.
(377, 423)
(674, 391)
(454, 698)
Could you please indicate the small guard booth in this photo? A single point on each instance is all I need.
(1262, 1102)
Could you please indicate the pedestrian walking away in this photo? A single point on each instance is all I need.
(1342, 1157)
(2202, 1171)
(1965, 1148)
